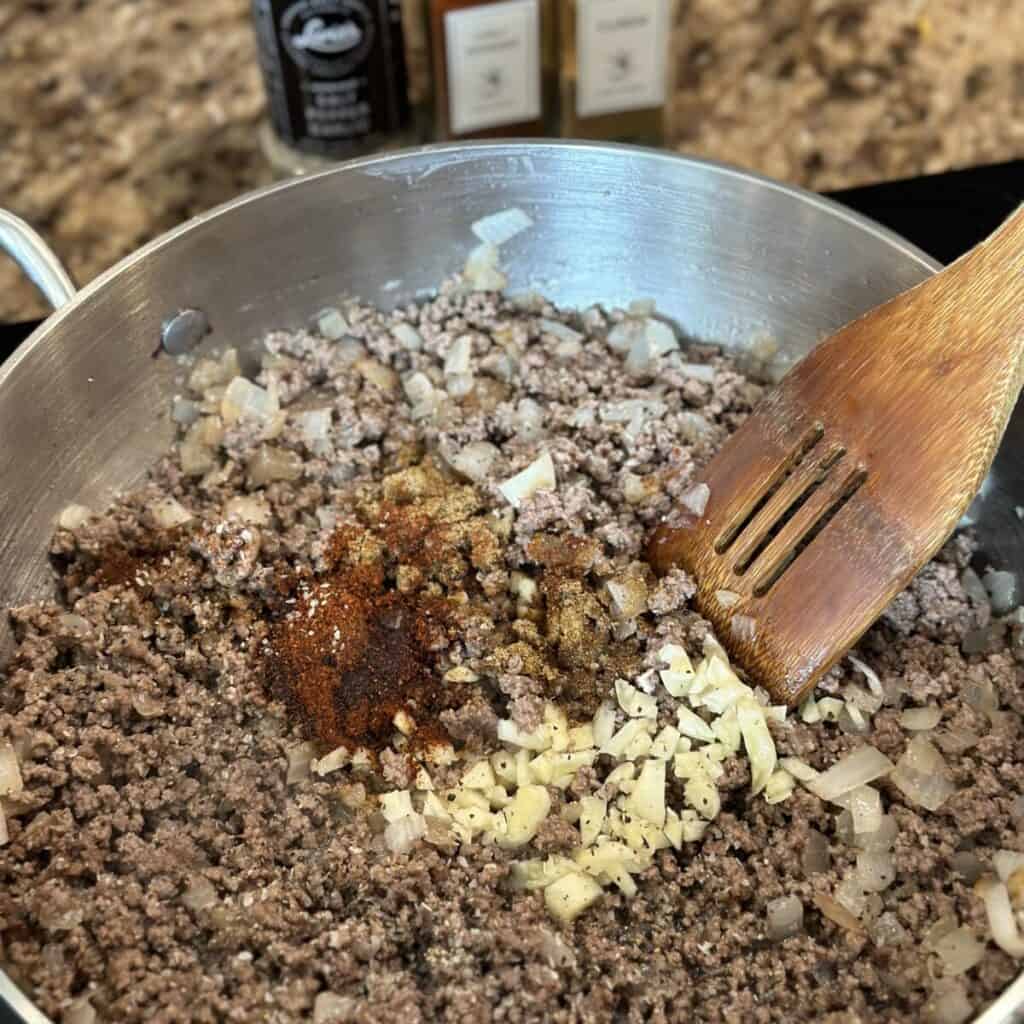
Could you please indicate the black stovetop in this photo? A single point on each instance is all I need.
(943, 214)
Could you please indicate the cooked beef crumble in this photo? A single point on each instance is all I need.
(171, 856)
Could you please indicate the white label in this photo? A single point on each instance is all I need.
(493, 65)
(621, 55)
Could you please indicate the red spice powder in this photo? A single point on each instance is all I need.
(352, 652)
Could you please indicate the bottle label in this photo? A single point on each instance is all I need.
(493, 65)
(334, 69)
(621, 55)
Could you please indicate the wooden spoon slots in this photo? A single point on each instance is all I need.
(851, 473)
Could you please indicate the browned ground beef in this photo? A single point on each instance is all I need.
(160, 864)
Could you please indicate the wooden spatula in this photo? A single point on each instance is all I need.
(851, 473)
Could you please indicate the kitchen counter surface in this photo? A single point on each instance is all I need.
(119, 120)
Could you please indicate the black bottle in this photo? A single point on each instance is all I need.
(336, 79)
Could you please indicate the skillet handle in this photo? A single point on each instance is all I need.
(36, 259)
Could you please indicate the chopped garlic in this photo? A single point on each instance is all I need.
(676, 683)
(581, 737)
(665, 743)
(509, 732)
(619, 742)
(673, 829)
(567, 898)
(703, 796)
(779, 787)
(538, 476)
(692, 725)
(480, 776)
(593, 812)
(759, 744)
(647, 801)
(604, 724)
(525, 814)
(499, 228)
(633, 702)
(539, 874)
(676, 658)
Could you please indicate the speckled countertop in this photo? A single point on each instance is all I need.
(119, 120)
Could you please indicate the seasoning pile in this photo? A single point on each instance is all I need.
(365, 706)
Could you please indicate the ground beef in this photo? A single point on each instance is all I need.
(171, 856)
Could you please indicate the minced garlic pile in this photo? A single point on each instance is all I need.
(503, 799)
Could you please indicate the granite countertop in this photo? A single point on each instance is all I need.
(121, 120)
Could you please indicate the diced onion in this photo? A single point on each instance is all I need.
(922, 776)
(887, 931)
(400, 836)
(948, 1003)
(268, 464)
(727, 598)
(10, 774)
(959, 951)
(920, 719)
(800, 771)
(559, 330)
(858, 768)
(407, 336)
(538, 476)
(865, 806)
(499, 228)
(875, 871)
(1001, 919)
(785, 917)
(169, 513)
(874, 683)
(300, 762)
(332, 325)
(1007, 863)
(458, 358)
(482, 272)
(314, 426)
(837, 913)
(695, 500)
(699, 371)
(244, 400)
(248, 508)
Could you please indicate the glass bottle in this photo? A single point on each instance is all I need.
(615, 77)
(495, 67)
(336, 80)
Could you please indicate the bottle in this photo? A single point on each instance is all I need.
(615, 75)
(495, 67)
(335, 74)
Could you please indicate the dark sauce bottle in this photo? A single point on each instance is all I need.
(336, 79)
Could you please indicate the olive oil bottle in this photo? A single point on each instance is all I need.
(495, 67)
(615, 74)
